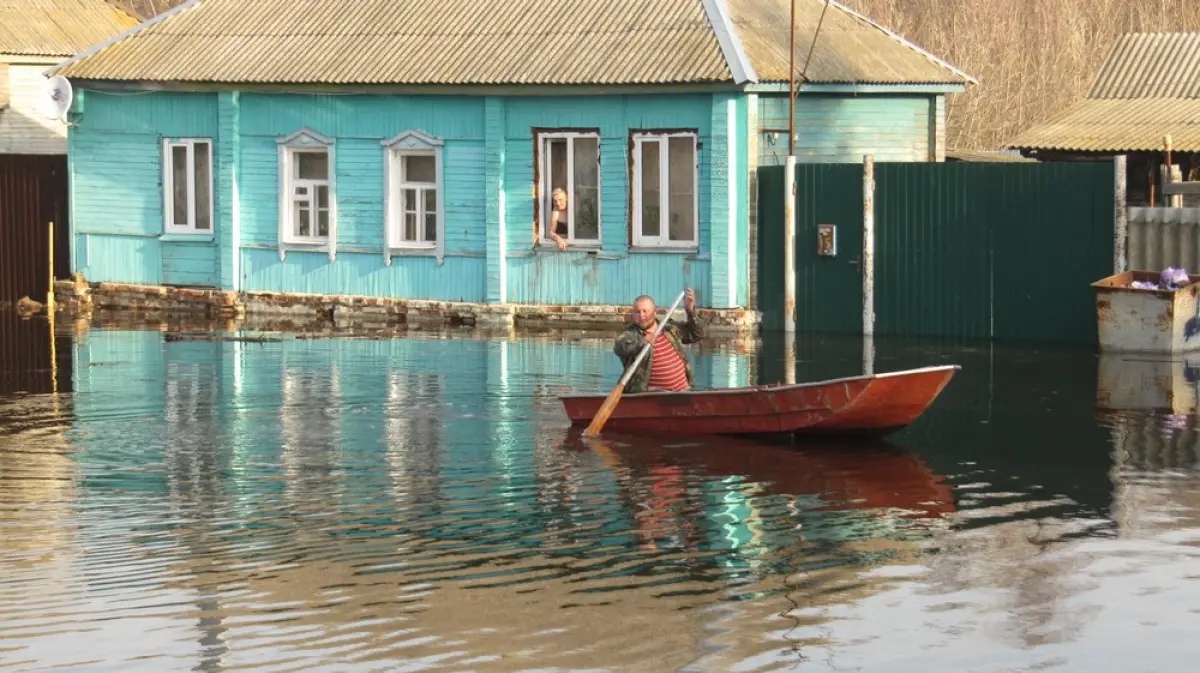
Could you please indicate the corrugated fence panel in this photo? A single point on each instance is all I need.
(964, 250)
(33, 193)
(1053, 237)
(1162, 237)
(931, 251)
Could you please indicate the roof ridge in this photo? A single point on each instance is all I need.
(902, 40)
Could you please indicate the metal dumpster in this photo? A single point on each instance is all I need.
(1132, 319)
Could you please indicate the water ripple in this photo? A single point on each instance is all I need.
(417, 504)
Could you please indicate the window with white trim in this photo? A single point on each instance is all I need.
(569, 161)
(665, 187)
(187, 186)
(414, 198)
(307, 203)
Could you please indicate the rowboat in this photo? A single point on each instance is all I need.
(873, 404)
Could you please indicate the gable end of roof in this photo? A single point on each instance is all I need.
(731, 43)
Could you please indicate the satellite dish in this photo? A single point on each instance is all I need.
(55, 98)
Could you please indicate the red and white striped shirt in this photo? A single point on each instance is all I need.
(666, 367)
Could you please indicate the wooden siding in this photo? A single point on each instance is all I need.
(489, 197)
(579, 278)
(188, 263)
(457, 279)
(117, 198)
(833, 128)
(23, 130)
(616, 274)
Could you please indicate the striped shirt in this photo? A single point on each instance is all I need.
(666, 367)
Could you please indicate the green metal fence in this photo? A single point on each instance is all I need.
(973, 250)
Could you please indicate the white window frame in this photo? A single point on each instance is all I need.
(544, 189)
(411, 143)
(305, 140)
(663, 240)
(168, 183)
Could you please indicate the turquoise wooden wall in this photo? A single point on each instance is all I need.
(116, 184)
(489, 175)
(840, 128)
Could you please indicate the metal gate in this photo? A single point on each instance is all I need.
(33, 194)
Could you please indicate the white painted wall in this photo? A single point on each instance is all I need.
(22, 129)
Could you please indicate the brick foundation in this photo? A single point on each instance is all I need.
(78, 297)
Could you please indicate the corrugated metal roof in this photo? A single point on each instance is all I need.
(850, 48)
(426, 42)
(1118, 125)
(420, 42)
(58, 27)
(1150, 65)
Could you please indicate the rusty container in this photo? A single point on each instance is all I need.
(1147, 320)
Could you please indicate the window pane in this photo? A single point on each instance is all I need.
(323, 222)
(410, 227)
(419, 168)
(430, 227)
(303, 226)
(430, 201)
(587, 193)
(203, 186)
(322, 196)
(556, 178)
(312, 165)
(179, 185)
(681, 178)
(650, 195)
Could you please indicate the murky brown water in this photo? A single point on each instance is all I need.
(419, 504)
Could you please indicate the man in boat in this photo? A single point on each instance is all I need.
(666, 366)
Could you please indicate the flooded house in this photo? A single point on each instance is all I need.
(561, 153)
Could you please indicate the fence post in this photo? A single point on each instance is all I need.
(789, 243)
(1120, 216)
(868, 251)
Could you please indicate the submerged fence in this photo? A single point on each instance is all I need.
(971, 250)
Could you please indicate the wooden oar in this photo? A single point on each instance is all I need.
(610, 403)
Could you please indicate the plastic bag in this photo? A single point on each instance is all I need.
(1173, 278)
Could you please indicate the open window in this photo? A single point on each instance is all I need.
(187, 186)
(665, 187)
(569, 161)
(307, 196)
(414, 193)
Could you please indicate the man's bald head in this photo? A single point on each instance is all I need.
(643, 311)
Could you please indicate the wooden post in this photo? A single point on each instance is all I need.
(50, 320)
(868, 251)
(50, 287)
(1120, 216)
(789, 244)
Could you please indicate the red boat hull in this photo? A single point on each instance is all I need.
(876, 404)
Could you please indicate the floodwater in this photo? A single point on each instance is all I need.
(170, 502)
